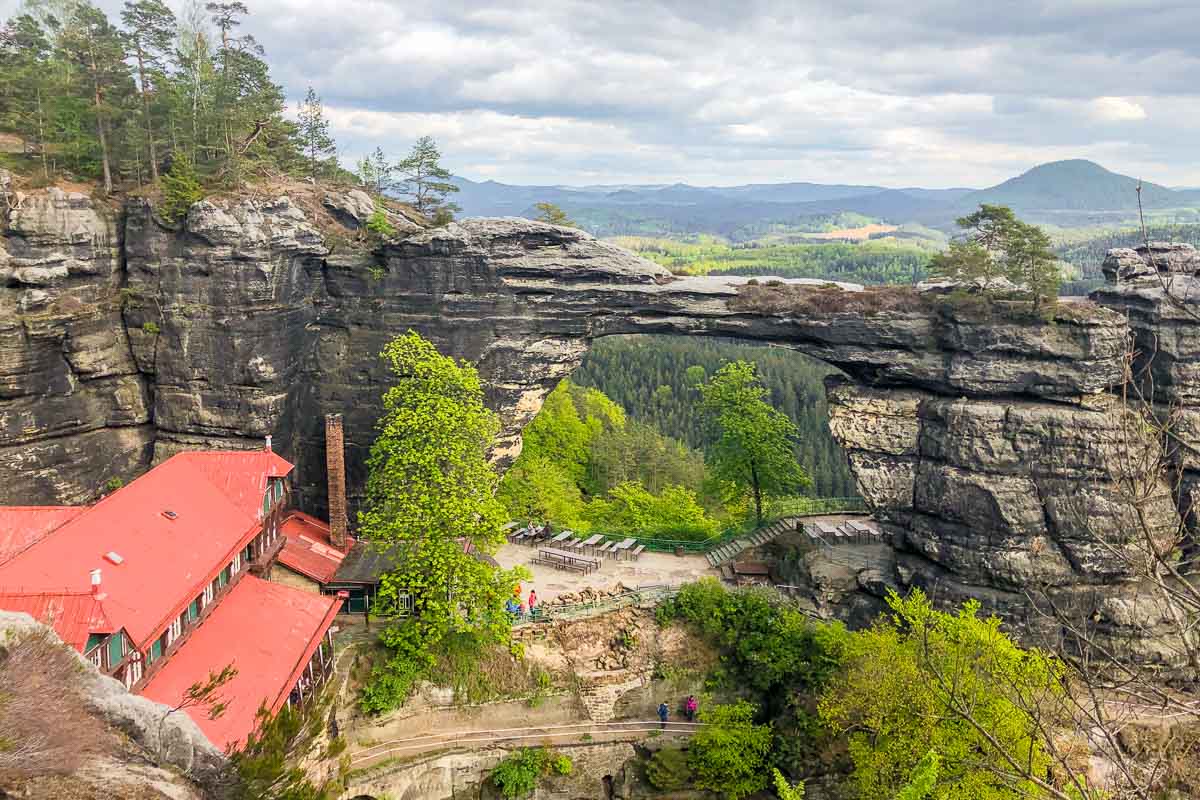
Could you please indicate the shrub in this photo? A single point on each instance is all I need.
(112, 484)
(181, 188)
(379, 224)
(517, 775)
(668, 770)
(150, 328)
(729, 752)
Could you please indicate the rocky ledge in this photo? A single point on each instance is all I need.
(988, 444)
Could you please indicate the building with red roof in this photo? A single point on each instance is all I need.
(21, 526)
(309, 559)
(132, 580)
(277, 639)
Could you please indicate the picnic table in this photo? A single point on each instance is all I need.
(562, 536)
(621, 547)
(592, 541)
(565, 559)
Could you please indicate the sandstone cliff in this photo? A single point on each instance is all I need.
(988, 445)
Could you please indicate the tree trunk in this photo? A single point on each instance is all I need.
(146, 113)
(97, 96)
(42, 134)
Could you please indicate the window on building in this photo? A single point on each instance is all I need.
(116, 649)
(267, 503)
(225, 575)
(94, 639)
(193, 611)
(155, 651)
(248, 553)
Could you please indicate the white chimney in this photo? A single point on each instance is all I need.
(95, 582)
(268, 443)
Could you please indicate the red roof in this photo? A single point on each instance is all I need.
(165, 561)
(73, 615)
(21, 526)
(309, 550)
(269, 632)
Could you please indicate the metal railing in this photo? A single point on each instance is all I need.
(799, 507)
(601, 605)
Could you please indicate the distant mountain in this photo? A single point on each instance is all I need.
(1073, 192)
(1075, 185)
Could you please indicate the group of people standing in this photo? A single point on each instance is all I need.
(689, 707)
(519, 608)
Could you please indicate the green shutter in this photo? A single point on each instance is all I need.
(93, 640)
(115, 650)
(155, 651)
(194, 609)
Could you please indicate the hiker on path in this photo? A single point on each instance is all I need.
(663, 713)
(690, 706)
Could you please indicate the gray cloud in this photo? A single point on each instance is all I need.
(920, 92)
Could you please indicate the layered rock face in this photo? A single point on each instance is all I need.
(988, 446)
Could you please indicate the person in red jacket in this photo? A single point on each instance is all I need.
(533, 599)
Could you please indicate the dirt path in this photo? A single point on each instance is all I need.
(482, 736)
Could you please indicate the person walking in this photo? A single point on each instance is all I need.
(663, 713)
(690, 706)
(533, 599)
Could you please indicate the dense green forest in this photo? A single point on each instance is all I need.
(871, 262)
(653, 379)
(119, 103)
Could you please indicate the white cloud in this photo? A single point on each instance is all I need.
(1117, 109)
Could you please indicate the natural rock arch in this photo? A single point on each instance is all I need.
(970, 437)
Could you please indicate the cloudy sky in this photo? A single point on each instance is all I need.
(894, 92)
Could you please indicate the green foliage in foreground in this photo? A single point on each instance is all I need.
(922, 680)
(785, 790)
(518, 774)
(429, 488)
(270, 765)
(728, 754)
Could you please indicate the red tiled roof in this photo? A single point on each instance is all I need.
(166, 562)
(240, 474)
(269, 632)
(309, 550)
(21, 526)
(73, 615)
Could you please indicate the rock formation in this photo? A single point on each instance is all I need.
(987, 444)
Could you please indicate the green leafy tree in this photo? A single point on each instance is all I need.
(315, 140)
(630, 507)
(426, 181)
(753, 447)
(150, 28)
(379, 224)
(518, 774)
(181, 188)
(548, 212)
(924, 778)
(922, 680)
(271, 764)
(430, 497)
(729, 752)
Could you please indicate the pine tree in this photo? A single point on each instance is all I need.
(91, 43)
(375, 172)
(314, 133)
(24, 53)
(150, 29)
(426, 181)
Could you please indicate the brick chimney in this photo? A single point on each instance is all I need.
(335, 467)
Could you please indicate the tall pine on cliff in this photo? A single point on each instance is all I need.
(89, 99)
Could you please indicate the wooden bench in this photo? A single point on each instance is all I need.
(636, 553)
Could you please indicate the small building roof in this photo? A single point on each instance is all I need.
(269, 632)
(366, 563)
(22, 526)
(157, 541)
(73, 615)
(309, 550)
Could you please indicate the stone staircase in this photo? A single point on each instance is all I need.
(723, 554)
